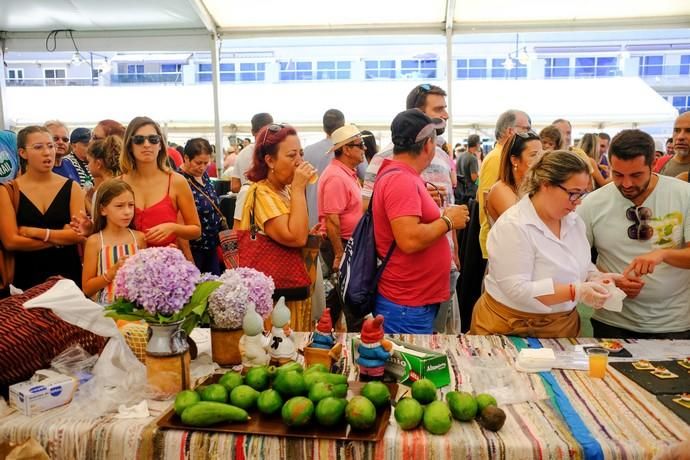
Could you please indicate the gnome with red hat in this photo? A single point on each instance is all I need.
(323, 335)
(373, 350)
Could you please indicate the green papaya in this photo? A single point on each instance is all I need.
(314, 377)
(206, 413)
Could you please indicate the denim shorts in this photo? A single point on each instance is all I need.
(399, 319)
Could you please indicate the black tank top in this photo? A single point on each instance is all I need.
(33, 267)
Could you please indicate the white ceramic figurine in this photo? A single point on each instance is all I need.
(253, 344)
(282, 347)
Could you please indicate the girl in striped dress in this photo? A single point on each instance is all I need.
(112, 242)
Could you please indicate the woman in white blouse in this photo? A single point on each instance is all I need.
(539, 257)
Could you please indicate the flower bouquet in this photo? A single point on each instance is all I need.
(163, 288)
(227, 306)
(160, 286)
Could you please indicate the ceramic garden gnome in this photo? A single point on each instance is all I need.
(323, 335)
(282, 348)
(373, 350)
(253, 344)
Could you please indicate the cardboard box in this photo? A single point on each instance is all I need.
(46, 389)
(409, 363)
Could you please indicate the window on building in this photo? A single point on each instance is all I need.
(54, 77)
(682, 103)
(379, 69)
(252, 71)
(15, 75)
(171, 68)
(135, 68)
(227, 72)
(595, 67)
(684, 65)
(498, 71)
(556, 67)
(651, 65)
(418, 68)
(295, 70)
(333, 70)
(471, 69)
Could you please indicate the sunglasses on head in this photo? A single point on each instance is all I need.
(274, 128)
(640, 229)
(528, 135)
(153, 139)
(63, 139)
(573, 196)
(421, 89)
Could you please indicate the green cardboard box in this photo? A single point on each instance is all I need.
(409, 363)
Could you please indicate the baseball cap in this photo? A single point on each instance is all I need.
(413, 125)
(80, 135)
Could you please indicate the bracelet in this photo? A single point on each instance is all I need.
(572, 292)
(45, 239)
(105, 277)
(449, 223)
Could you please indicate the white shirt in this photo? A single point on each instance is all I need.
(526, 259)
(243, 162)
(663, 304)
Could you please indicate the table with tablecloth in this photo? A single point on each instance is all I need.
(573, 416)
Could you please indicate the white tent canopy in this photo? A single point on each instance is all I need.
(195, 25)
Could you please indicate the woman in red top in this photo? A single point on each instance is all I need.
(165, 209)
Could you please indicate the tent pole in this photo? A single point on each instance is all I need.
(4, 121)
(450, 19)
(215, 68)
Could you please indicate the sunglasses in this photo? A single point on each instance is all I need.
(153, 139)
(274, 128)
(360, 145)
(640, 229)
(573, 196)
(529, 134)
(421, 89)
(63, 139)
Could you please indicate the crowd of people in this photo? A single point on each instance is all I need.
(558, 224)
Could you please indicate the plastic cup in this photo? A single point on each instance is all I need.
(598, 359)
(314, 178)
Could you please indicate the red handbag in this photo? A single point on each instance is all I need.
(249, 248)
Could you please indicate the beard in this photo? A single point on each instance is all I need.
(682, 152)
(633, 192)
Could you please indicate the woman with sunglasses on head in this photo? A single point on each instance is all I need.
(37, 231)
(517, 156)
(539, 257)
(161, 195)
(279, 177)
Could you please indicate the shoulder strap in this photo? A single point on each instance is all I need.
(392, 246)
(169, 182)
(193, 183)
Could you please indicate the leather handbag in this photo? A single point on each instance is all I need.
(250, 248)
(7, 257)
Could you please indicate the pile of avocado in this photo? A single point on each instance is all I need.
(296, 394)
(437, 416)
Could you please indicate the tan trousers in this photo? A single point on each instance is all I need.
(492, 317)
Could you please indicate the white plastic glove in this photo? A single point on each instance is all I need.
(591, 293)
(599, 277)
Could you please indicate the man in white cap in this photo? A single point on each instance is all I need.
(339, 200)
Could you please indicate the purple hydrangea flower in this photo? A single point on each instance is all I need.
(228, 304)
(160, 280)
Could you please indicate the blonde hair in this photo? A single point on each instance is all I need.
(127, 161)
(554, 167)
(590, 145)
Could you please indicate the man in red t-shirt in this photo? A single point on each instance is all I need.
(416, 278)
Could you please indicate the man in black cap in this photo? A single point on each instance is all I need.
(79, 141)
(416, 279)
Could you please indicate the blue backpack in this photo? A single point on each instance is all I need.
(360, 270)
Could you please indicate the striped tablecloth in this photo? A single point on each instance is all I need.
(568, 415)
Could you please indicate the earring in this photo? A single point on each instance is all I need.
(514, 166)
